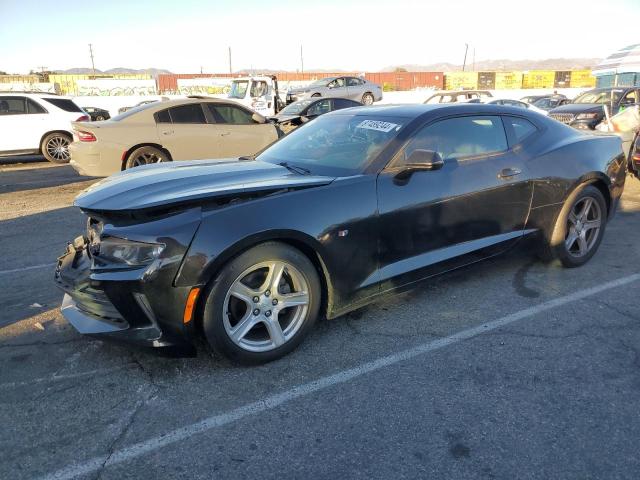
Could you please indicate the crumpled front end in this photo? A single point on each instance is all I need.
(118, 279)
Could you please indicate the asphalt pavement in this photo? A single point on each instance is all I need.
(509, 369)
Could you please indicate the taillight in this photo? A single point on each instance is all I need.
(86, 136)
(83, 118)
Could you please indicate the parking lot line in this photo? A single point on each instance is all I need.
(273, 401)
(22, 269)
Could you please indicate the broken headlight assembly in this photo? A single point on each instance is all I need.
(125, 252)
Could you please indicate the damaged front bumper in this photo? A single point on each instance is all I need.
(89, 306)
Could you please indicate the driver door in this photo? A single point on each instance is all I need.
(474, 206)
(338, 88)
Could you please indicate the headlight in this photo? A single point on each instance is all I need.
(119, 250)
(587, 116)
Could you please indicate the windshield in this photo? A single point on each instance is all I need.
(238, 88)
(599, 96)
(133, 111)
(335, 145)
(295, 108)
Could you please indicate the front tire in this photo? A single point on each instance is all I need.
(579, 228)
(55, 147)
(145, 156)
(262, 304)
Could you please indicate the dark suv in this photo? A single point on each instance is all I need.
(586, 110)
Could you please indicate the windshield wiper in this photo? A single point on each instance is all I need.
(295, 168)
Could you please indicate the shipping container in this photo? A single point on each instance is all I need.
(562, 79)
(582, 79)
(19, 79)
(461, 80)
(539, 79)
(508, 80)
(487, 80)
(406, 80)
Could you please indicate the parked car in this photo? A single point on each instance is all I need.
(634, 157)
(97, 114)
(37, 123)
(515, 103)
(139, 104)
(354, 205)
(460, 96)
(297, 113)
(547, 101)
(185, 129)
(353, 88)
(586, 110)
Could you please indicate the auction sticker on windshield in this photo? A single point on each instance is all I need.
(378, 125)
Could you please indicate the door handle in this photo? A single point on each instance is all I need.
(507, 173)
(224, 134)
(168, 132)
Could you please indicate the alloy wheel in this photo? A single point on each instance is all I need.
(367, 99)
(583, 226)
(265, 306)
(146, 158)
(58, 148)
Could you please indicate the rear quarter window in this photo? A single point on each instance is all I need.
(521, 128)
(64, 104)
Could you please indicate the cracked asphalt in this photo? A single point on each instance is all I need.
(550, 391)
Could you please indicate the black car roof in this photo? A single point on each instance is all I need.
(435, 110)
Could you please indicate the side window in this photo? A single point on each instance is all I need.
(191, 113)
(258, 89)
(230, 114)
(323, 106)
(340, 82)
(13, 105)
(353, 82)
(521, 128)
(340, 103)
(33, 107)
(630, 98)
(461, 137)
(163, 116)
(64, 104)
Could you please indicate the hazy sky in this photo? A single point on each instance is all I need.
(184, 35)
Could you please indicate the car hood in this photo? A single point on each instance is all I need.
(285, 118)
(578, 108)
(172, 183)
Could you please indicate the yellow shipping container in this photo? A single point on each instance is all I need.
(539, 79)
(582, 79)
(461, 80)
(507, 80)
(19, 79)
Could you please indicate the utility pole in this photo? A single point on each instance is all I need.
(474, 59)
(230, 69)
(301, 61)
(93, 67)
(464, 63)
(42, 69)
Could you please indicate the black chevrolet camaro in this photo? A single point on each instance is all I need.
(248, 253)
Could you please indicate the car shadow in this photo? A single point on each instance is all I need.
(24, 179)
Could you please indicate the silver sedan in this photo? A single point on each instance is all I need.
(353, 88)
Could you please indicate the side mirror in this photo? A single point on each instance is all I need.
(256, 117)
(420, 160)
(304, 119)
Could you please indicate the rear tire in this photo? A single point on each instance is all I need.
(245, 317)
(367, 99)
(145, 156)
(579, 228)
(55, 147)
